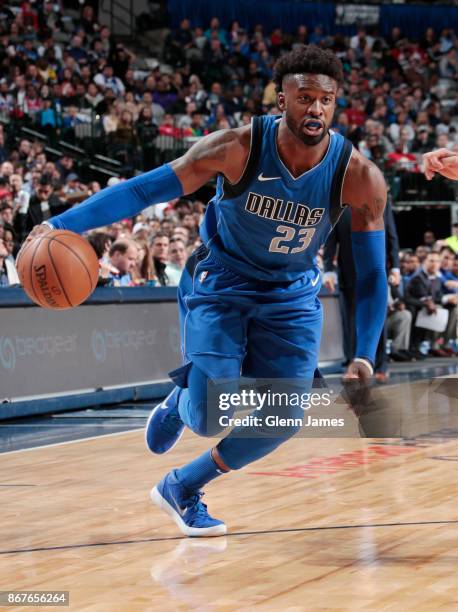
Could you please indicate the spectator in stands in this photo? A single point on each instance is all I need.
(160, 257)
(88, 21)
(123, 256)
(43, 205)
(429, 238)
(107, 80)
(422, 251)
(11, 244)
(8, 273)
(177, 261)
(6, 214)
(409, 266)
(451, 280)
(425, 291)
(447, 256)
(20, 197)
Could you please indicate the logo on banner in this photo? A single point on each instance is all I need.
(103, 340)
(11, 349)
(99, 347)
(7, 353)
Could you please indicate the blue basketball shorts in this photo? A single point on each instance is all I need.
(232, 326)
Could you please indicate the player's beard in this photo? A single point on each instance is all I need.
(307, 139)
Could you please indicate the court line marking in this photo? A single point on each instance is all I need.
(233, 534)
(18, 485)
(32, 448)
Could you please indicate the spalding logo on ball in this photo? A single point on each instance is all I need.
(58, 270)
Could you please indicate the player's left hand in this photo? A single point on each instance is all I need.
(356, 387)
(357, 370)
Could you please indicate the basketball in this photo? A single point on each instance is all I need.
(58, 270)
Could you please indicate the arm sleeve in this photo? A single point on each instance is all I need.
(392, 240)
(329, 251)
(369, 253)
(121, 201)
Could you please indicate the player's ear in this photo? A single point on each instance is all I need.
(281, 101)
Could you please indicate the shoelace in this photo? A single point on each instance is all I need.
(195, 507)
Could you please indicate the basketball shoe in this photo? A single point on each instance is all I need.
(185, 508)
(164, 427)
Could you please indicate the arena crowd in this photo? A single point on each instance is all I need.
(63, 77)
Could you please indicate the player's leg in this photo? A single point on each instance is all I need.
(213, 339)
(283, 348)
(284, 342)
(165, 427)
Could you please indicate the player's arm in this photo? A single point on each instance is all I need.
(221, 152)
(442, 161)
(365, 193)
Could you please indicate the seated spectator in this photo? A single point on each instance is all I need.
(101, 243)
(422, 251)
(398, 326)
(8, 273)
(401, 160)
(125, 134)
(43, 205)
(145, 270)
(177, 261)
(451, 282)
(423, 143)
(429, 238)
(107, 80)
(7, 214)
(425, 291)
(168, 127)
(160, 257)
(74, 191)
(123, 257)
(447, 257)
(409, 266)
(11, 244)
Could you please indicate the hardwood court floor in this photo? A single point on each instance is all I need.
(334, 524)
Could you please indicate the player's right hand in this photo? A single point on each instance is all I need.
(38, 230)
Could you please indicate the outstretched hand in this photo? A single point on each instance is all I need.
(442, 161)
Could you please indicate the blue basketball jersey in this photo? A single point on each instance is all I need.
(270, 225)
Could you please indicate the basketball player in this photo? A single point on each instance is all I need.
(248, 296)
(442, 161)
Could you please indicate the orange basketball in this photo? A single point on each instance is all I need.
(58, 270)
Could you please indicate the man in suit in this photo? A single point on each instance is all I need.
(425, 290)
(43, 205)
(345, 278)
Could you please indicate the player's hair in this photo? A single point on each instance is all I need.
(307, 60)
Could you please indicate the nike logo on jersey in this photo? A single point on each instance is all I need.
(268, 178)
(314, 282)
(277, 209)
